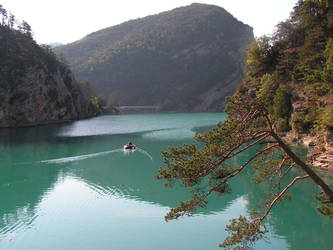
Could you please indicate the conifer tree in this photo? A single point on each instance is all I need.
(299, 53)
(248, 127)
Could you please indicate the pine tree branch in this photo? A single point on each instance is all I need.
(235, 172)
(281, 194)
(279, 168)
(265, 135)
(229, 156)
(283, 175)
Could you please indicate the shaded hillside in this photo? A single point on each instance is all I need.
(185, 59)
(291, 75)
(35, 87)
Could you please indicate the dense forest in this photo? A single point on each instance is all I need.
(186, 59)
(36, 86)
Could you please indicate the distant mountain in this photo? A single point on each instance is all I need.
(186, 59)
(35, 86)
(53, 45)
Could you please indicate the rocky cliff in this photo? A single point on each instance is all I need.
(186, 59)
(35, 87)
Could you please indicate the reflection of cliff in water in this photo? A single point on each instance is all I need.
(21, 190)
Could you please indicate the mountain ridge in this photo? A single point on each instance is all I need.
(173, 59)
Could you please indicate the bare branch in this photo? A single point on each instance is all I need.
(282, 193)
(280, 167)
(283, 175)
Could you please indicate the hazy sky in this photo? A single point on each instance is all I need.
(65, 21)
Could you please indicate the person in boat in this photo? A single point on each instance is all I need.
(130, 145)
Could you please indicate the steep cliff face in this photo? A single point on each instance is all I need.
(187, 59)
(35, 87)
(42, 97)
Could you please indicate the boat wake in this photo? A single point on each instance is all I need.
(78, 158)
(145, 153)
(84, 157)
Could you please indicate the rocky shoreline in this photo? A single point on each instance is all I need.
(320, 154)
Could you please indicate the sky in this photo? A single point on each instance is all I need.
(66, 21)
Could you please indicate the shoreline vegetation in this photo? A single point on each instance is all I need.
(291, 75)
(286, 95)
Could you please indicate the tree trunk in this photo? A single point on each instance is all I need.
(323, 186)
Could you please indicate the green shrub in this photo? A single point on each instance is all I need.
(95, 105)
(327, 73)
(325, 120)
(282, 103)
(267, 90)
(282, 124)
(318, 89)
(301, 124)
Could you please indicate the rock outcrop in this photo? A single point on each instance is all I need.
(41, 97)
(35, 87)
(321, 156)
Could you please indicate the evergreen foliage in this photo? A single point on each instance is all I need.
(281, 103)
(292, 66)
(328, 68)
(298, 58)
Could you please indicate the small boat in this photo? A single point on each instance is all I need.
(129, 145)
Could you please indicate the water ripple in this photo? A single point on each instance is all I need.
(15, 223)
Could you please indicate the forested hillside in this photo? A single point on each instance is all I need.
(187, 59)
(291, 74)
(35, 86)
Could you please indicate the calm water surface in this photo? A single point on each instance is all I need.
(72, 187)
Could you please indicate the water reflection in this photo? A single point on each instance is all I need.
(82, 182)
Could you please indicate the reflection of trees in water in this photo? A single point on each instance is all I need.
(297, 220)
(27, 135)
(22, 187)
(24, 181)
(22, 190)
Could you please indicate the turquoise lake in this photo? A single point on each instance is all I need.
(71, 186)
